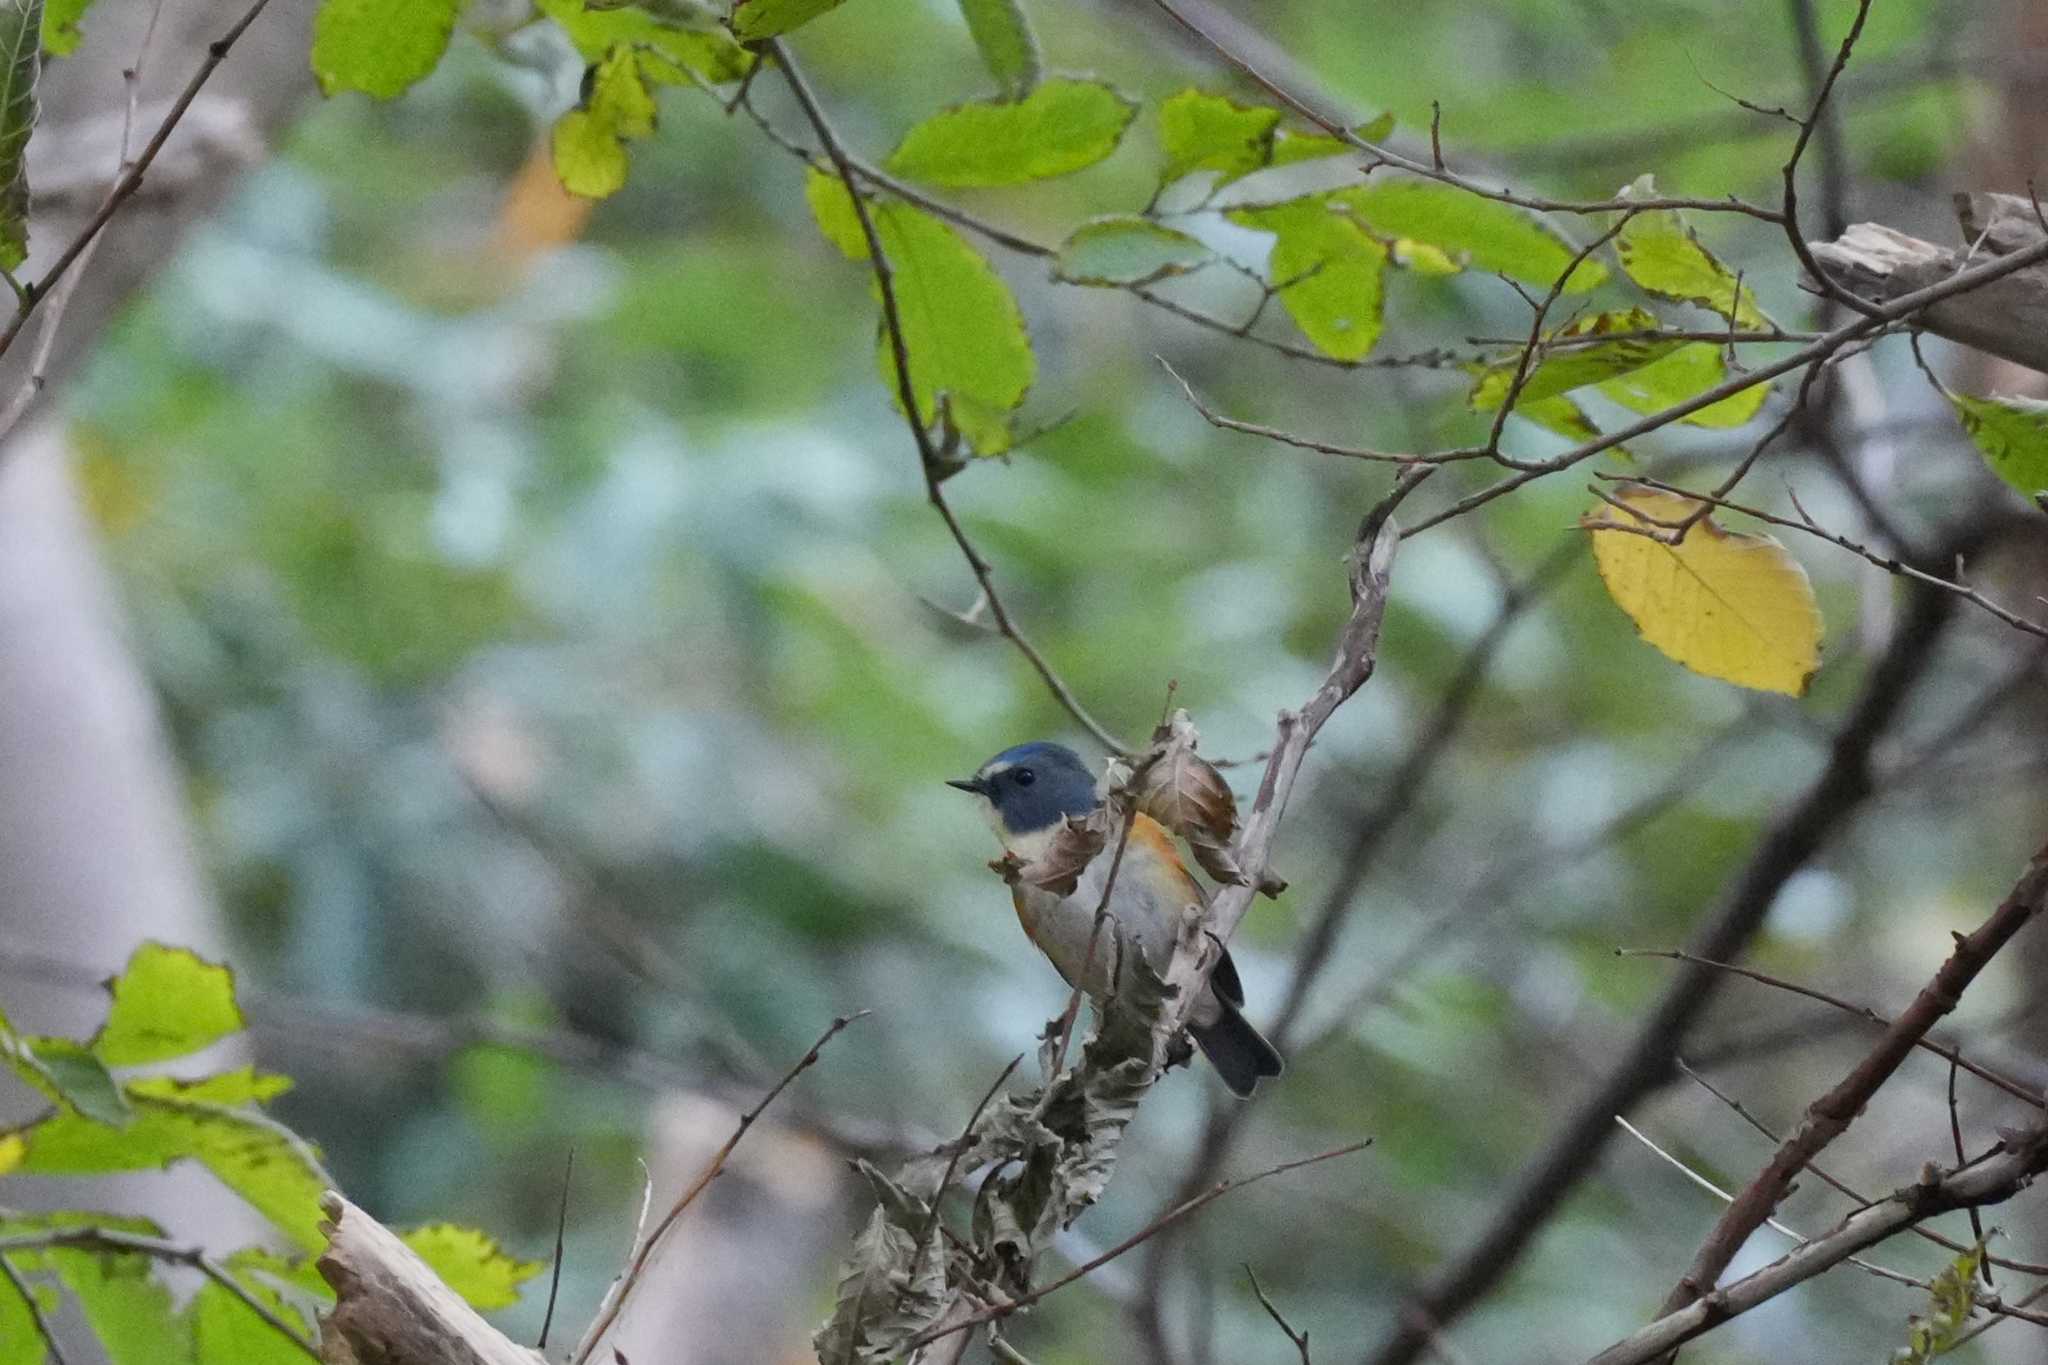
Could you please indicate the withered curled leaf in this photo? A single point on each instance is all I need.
(1072, 847)
(1184, 792)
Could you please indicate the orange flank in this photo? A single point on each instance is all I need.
(1151, 836)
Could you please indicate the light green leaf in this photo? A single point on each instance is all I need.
(1290, 146)
(753, 20)
(1952, 1299)
(1060, 127)
(380, 47)
(1008, 46)
(20, 1341)
(271, 1168)
(168, 1002)
(1204, 132)
(690, 14)
(1327, 270)
(128, 1309)
(963, 329)
(21, 62)
(471, 1264)
(1125, 249)
(1661, 253)
(1479, 233)
(589, 143)
(1692, 369)
(224, 1329)
(61, 31)
(2012, 433)
(669, 52)
(1561, 371)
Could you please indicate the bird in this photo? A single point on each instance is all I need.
(1025, 792)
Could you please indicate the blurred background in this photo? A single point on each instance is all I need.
(513, 634)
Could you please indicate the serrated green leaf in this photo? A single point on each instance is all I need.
(21, 63)
(1952, 1299)
(1478, 233)
(263, 1162)
(1327, 270)
(78, 1078)
(1204, 132)
(1008, 47)
(128, 1309)
(472, 1264)
(669, 52)
(963, 329)
(2012, 434)
(1062, 126)
(380, 47)
(1660, 252)
(61, 30)
(589, 143)
(1692, 369)
(1561, 371)
(168, 1002)
(1124, 249)
(753, 20)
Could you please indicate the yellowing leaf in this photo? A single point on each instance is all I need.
(1563, 369)
(1660, 253)
(1725, 604)
(1692, 369)
(589, 143)
(472, 1264)
(1479, 233)
(379, 47)
(2013, 435)
(1060, 127)
(1327, 270)
(1204, 132)
(668, 52)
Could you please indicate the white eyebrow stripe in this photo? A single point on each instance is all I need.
(996, 769)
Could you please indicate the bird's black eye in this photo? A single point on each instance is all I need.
(1024, 777)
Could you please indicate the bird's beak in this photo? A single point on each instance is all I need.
(969, 784)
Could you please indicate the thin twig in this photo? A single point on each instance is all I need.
(35, 1310)
(1300, 1339)
(547, 1319)
(644, 1251)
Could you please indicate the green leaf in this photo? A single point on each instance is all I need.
(61, 31)
(1124, 249)
(1478, 233)
(589, 143)
(1562, 371)
(77, 1077)
(21, 62)
(1659, 251)
(1327, 270)
(471, 1264)
(753, 20)
(1204, 132)
(270, 1167)
(1290, 146)
(380, 47)
(168, 1002)
(1952, 1298)
(1692, 369)
(963, 329)
(2012, 433)
(1008, 47)
(225, 1329)
(1060, 127)
(128, 1309)
(668, 52)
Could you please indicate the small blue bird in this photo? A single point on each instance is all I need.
(1025, 791)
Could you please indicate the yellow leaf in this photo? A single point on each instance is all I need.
(13, 1147)
(1727, 604)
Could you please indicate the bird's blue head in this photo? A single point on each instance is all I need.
(1030, 787)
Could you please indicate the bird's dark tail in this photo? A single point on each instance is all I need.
(1239, 1052)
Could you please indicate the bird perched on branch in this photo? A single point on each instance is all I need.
(1026, 792)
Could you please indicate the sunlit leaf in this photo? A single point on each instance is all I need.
(1204, 132)
(275, 1171)
(21, 1342)
(471, 1264)
(61, 31)
(168, 1002)
(1564, 369)
(1690, 370)
(1060, 127)
(1725, 604)
(1327, 270)
(380, 47)
(589, 143)
(1290, 146)
(21, 62)
(669, 52)
(753, 20)
(127, 1307)
(226, 1329)
(2012, 433)
(1007, 45)
(961, 325)
(1661, 253)
(1480, 234)
(1125, 249)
